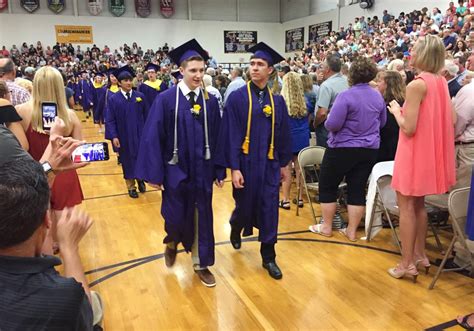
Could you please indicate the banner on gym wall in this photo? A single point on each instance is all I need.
(239, 41)
(74, 34)
(318, 31)
(294, 40)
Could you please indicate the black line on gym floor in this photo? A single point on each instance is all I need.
(144, 260)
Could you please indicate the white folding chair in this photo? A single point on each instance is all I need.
(309, 158)
(457, 207)
(386, 201)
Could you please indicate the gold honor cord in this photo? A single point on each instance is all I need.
(246, 143)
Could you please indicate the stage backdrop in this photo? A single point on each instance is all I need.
(75, 34)
(239, 41)
(294, 40)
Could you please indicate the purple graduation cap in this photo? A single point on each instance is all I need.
(152, 66)
(185, 51)
(124, 73)
(177, 74)
(265, 52)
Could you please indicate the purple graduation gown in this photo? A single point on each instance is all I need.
(256, 205)
(151, 93)
(86, 92)
(125, 120)
(99, 103)
(188, 184)
(77, 92)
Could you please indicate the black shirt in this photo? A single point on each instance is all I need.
(33, 296)
(8, 114)
(10, 148)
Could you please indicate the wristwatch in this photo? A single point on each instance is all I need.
(47, 168)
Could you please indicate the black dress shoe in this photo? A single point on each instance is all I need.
(235, 239)
(141, 186)
(133, 194)
(170, 256)
(273, 270)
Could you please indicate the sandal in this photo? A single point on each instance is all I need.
(284, 204)
(298, 202)
(316, 228)
(343, 231)
(465, 324)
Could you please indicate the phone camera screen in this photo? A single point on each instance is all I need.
(49, 114)
(89, 153)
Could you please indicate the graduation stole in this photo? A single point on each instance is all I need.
(246, 144)
(97, 85)
(207, 155)
(114, 88)
(154, 85)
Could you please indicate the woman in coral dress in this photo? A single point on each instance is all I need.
(48, 87)
(425, 160)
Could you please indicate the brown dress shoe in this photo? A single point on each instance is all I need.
(170, 256)
(207, 278)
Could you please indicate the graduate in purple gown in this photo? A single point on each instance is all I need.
(177, 156)
(153, 86)
(85, 94)
(99, 91)
(76, 89)
(255, 143)
(126, 114)
(112, 88)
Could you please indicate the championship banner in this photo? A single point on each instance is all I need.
(319, 31)
(117, 7)
(166, 8)
(30, 5)
(143, 7)
(294, 40)
(95, 7)
(74, 34)
(239, 41)
(3, 4)
(56, 6)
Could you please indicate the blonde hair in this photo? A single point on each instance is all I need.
(48, 86)
(307, 83)
(25, 83)
(429, 54)
(293, 93)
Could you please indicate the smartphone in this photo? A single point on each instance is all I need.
(49, 111)
(91, 152)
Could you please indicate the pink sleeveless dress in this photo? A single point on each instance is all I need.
(425, 162)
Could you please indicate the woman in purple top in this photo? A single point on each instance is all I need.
(354, 138)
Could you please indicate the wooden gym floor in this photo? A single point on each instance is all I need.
(328, 283)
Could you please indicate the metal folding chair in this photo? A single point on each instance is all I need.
(457, 207)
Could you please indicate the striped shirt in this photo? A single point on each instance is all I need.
(33, 296)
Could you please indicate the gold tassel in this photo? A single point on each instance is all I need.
(245, 145)
(270, 153)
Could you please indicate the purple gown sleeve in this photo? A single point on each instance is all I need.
(215, 119)
(150, 154)
(111, 121)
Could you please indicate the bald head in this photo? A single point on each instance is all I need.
(7, 69)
